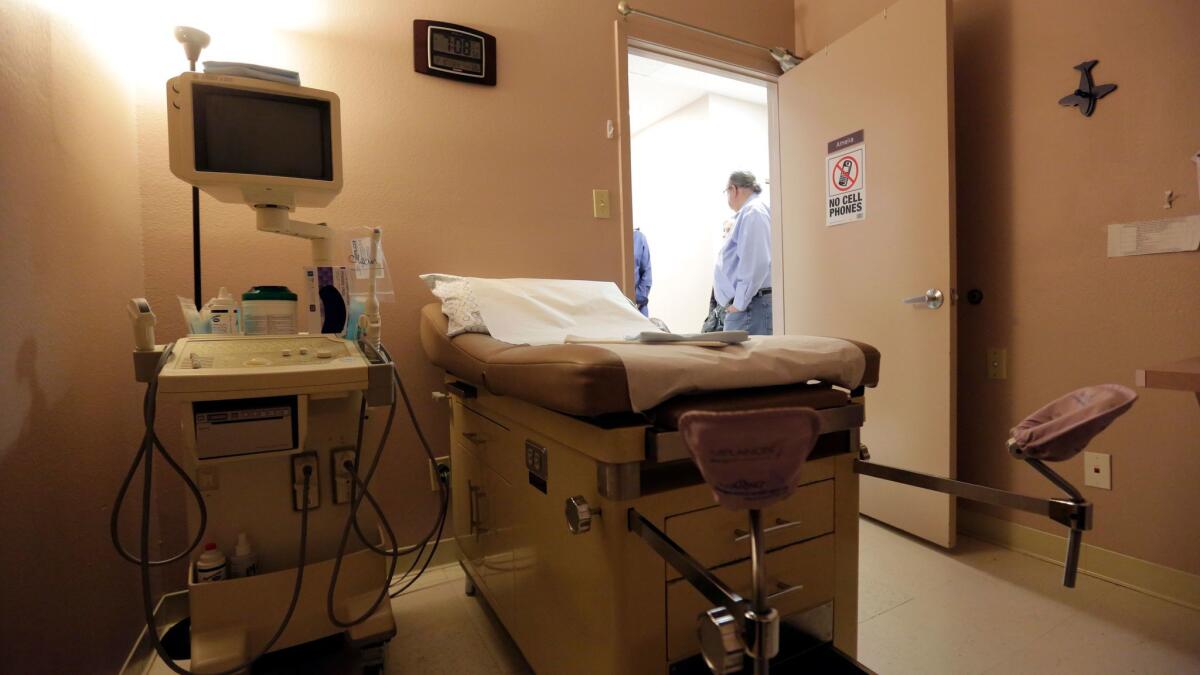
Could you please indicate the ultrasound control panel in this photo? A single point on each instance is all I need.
(258, 352)
(236, 366)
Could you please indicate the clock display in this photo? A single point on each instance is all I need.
(454, 52)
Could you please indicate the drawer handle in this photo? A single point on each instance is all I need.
(780, 524)
(475, 438)
(474, 492)
(784, 589)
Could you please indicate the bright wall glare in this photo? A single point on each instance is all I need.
(135, 38)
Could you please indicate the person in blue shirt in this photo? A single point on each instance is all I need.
(641, 272)
(742, 277)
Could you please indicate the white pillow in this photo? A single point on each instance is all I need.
(458, 303)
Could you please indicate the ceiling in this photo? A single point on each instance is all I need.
(658, 88)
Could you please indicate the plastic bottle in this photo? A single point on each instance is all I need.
(222, 314)
(211, 565)
(244, 561)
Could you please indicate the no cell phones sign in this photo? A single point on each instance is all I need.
(846, 180)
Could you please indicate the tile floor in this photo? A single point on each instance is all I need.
(979, 609)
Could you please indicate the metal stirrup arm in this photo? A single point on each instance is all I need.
(708, 585)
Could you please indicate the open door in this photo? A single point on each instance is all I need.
(890, 190)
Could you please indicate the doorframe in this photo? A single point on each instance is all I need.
(626, 43)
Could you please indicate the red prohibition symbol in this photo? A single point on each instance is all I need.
(845, 173)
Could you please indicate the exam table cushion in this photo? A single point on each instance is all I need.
(587, 380)
(1060, 430)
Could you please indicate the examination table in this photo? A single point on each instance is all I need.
(539, 430)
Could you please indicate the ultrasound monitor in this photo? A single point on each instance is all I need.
(253, 141)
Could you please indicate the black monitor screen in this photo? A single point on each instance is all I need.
(266, 134)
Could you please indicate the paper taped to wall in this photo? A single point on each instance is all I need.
(1170, 235)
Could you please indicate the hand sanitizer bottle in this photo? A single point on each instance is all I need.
(222, 314)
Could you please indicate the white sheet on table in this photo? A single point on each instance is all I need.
(546, 311)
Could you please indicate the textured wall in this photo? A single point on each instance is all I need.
(70, 259)
(1037, 186)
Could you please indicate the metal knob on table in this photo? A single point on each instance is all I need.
(720, 642)
(579, 515)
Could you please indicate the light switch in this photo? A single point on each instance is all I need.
(997, 364)
(1097, 470)
(600, 204)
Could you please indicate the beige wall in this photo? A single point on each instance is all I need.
(466, 179)
(70, 259)
(1037, 184)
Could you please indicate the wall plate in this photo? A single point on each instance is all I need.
(1097, 470)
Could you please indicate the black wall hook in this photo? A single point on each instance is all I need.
(1088, 93)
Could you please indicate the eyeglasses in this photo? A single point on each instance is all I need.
(727, 189)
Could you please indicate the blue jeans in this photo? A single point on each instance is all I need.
(756, 320)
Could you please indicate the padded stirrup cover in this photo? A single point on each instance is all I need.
(752, 458)
(1064, 427)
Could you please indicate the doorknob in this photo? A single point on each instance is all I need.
(932, 299)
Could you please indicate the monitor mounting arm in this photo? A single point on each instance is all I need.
(277, 219)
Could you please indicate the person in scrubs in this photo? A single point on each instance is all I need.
(642, 277)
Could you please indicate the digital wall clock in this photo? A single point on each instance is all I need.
(455, 52)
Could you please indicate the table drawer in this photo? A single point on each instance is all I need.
(492, 443)
(809, 568)
(711, 535)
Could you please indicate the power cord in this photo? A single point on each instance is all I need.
(442, 489)
(356, 498)
(442, 479)
(360, 489)
(150, 443)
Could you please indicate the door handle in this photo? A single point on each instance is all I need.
(932, 299)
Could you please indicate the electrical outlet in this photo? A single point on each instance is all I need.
(536, 460)
(342, 482)
(997, 364)
(1097, 470)
(433, 476)
(300, 462)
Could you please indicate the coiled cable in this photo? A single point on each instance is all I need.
(360, 489)
(145, 458)
(150, 443)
